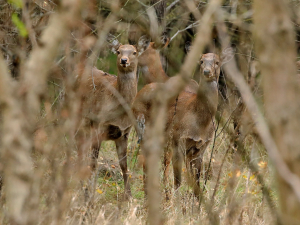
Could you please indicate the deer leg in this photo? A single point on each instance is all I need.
(96, 144)
(95, 153)
(145, 171)
(177, 167)
(167, 161)
(193, 164)
(121, 144)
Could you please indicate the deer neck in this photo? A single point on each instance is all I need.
(127, 85)
(208, 95)
(152, 69)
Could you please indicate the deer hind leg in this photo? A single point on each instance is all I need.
(121, 144)
(96, 144)
(167, 161)
(145, 172)
(193, 164)
(177, 167)
(95, 155)
(141, 127)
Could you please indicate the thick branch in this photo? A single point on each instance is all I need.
(18, 123)
(42, 56)
(275, 46)
(15, 155)
(154, 136)
(262, 127)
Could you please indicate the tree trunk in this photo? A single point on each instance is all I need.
(160, 9)
(274, 36)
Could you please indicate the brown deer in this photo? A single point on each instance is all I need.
(192, 127)
(103, 110)
(151, 66)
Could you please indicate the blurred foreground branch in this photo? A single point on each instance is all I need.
(262, 127)
(275, 47)
(19, 122)
(154, 141)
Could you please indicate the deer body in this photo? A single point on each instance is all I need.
(103, 110)
(99, 102)
(192, 127)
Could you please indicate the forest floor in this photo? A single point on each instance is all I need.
(238, 194)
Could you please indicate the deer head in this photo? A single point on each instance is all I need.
(127, 58)
(210, 64)
(127, 54)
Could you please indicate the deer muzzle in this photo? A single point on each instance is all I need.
(124, 62)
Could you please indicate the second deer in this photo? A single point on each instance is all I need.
(193, 125)
(151, 66)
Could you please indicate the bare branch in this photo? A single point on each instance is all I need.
(22, 200)
(154, 141)
(188, 27)
(173, 4)
(42, 57)
(17, 164)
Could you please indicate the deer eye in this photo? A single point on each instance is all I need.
(118, 52)
(201, 62)
(134, 53)
(217, 63)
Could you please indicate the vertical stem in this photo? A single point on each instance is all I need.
(275, 46)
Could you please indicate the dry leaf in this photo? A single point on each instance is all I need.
(262, 164)
(99, 191)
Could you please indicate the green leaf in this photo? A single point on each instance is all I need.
(20, 25)
(17, 3)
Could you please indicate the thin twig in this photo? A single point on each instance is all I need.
(173, 4)
(188, 27)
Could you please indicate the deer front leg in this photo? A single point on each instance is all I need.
(145, 172)
(177, 167)
(193, 164)
(167, 161)
(121, 144)
(95, 155)
(96, 144)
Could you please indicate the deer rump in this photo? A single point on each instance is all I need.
(186, 125)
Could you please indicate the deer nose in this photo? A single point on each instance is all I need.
(123, 61)
(206, 72)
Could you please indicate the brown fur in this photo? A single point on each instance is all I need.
(192, 125)
(152, 70)
(102, 108)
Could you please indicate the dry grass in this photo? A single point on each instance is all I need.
(238, 198)
(241, 188)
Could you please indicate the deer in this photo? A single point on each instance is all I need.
(150, 64)
(102, 109)
(192, 127)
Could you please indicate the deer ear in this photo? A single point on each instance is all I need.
(143, 44)
(164, 42)
(165, 39)
(113, 43)
(227, 55)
